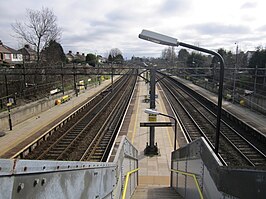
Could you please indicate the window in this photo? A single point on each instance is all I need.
(7, 56)
(15, 56)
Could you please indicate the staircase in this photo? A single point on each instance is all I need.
(155, 192)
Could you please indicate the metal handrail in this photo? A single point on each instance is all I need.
(194, 177)
(126, 182)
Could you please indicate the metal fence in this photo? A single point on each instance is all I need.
(63, 179)
(197, 161)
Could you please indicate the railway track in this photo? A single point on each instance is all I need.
(199, 120)
(88, 136)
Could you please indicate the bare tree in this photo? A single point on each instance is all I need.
(169, 54)
(115, 55)
(39, 29)
(114, 52)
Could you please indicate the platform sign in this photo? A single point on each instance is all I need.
(152, 118)
(156, 124)
(9, 104)
(11, 100)
(81, 85)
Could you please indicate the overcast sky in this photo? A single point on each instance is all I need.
(96, 26)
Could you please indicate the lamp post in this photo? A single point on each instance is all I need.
(234, 76)
(154, 112)
(9, 104)
(170, 41)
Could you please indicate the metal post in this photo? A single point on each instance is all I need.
(169, 41)
(62, 79)
(6, 85)
(152, 106)
(234, 80)
(175, 133)
(9, 118)
(112, 75)
(24, 78)
(220, 91)
(151, 149)
(175, 137)
(255, 79)
(75, 84)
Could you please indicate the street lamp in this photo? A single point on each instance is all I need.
(154, 112)
(170, 41)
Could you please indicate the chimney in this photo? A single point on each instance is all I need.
(83, 54)
(77, 53)
(1, 42)
(27, 46)
(70, 52)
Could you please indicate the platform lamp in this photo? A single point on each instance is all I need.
(154, 112)
(170, 41)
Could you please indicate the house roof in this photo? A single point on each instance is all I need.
(28, 50)
(7, 49)
(3, 48)
(13, 51)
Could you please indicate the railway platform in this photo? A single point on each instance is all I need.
(27, 131)
(194, 170)
(254, 119)
(154, 171)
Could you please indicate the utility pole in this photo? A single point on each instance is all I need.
(62, 79)
(152, 149)
(234, 80)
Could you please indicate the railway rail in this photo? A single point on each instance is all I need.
(87, 135)
(198, 119)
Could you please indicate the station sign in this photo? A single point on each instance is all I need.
(156, 124)
(152, 118)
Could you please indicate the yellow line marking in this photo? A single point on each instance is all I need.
(32, 132)
(136, 117)
(168, 133)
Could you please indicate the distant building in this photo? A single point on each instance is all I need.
(80, 58)
(29, 55)
(249, 55)
(70, 56)
(77, 58)
(101, 59)
(9, 55)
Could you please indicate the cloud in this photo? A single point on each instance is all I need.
(100, 25)
(249, 5)
(216, 29)
(262, 28)
(170, 7)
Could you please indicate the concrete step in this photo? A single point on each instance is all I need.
(155, 192)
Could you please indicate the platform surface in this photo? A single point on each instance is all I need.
(154, 170)
(254, 119)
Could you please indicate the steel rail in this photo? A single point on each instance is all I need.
(245, 156)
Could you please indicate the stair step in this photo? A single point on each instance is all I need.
(155, 192)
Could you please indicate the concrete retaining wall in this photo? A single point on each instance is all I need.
(20, 114)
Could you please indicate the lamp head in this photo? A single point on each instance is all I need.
(158, 38)
(151, 111)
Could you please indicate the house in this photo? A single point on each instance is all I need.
(9, 55)
(76, 58)
(70, 56)
(29, 55)
(102, 59)
(80, 58)
(249, 55)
